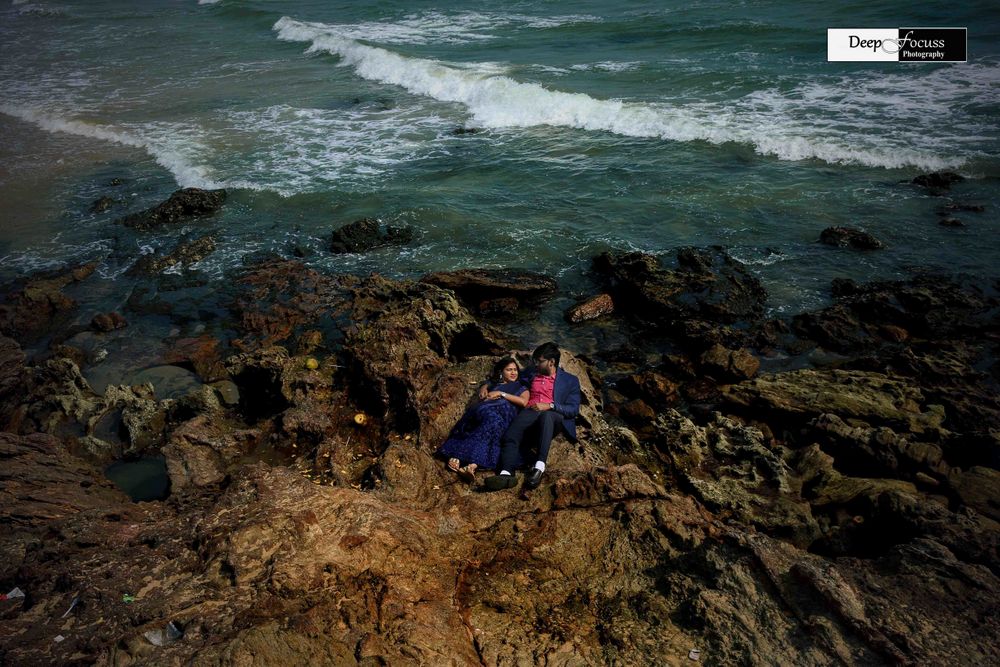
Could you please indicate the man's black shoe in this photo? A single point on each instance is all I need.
(533, 479)
(500, 482)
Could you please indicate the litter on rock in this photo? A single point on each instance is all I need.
(167, 635)
(694, 654)
(72, 605)
(128, 598)
(58, 638)
(14, 593)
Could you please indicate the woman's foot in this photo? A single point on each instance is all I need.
(453, 464)
(468, 473)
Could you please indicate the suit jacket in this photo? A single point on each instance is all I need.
(566, 396)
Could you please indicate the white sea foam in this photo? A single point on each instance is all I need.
(163, 146)
(607, 66)
(435, 27)
(299, 150)
(761, 120)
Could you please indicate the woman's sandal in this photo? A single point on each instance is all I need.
(453, 464)
(467, 474)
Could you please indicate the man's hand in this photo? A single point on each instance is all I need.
(483, 393)
(541, 407)
(493, 394)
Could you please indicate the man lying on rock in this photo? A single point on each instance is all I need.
(553, 404)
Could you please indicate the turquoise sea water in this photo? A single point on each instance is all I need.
(604, 125)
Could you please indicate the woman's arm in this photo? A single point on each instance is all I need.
(520, 400)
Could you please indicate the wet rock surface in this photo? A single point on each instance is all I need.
(367, 234)
(185, 254)
(842, 514)
(697, 301)
(39, 304)
(183, 205)
(591, 309)
(850, 237)
(480, 289)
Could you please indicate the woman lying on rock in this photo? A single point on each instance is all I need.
(475, 439)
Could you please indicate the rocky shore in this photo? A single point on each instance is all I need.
(844, 511)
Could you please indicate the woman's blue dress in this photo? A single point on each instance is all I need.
(476, 436)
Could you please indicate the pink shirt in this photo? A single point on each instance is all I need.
(542, 389)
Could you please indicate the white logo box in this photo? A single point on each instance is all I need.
(873, 44)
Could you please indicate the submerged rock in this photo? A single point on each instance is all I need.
(938, 180)
(367, 234)
(850, 237)
(106, 322)
(181, 206)
(103, 204)
(185, 254)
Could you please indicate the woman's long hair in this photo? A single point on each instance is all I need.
(496, 376)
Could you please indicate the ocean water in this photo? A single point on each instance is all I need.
(644, 125)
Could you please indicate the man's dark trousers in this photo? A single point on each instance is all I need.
(547, 421)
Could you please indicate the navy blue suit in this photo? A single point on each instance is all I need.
(566, 396)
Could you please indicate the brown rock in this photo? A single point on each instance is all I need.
(893, 333)
(41, 482)
(40, 304)
(11, 374)
(475, 286)
(979, 488)
(637, 411)
(653, 387)
(591, 309)
(184, 254)
(729, 365)
(106, 322)
(200, 354)
(405, 334)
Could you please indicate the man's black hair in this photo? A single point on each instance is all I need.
(547, 351)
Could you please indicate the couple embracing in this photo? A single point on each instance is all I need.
(516, 414)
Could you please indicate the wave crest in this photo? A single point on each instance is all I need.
(498, 101)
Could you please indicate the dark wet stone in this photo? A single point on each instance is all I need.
(951, 222)
(185, 254)
(939, 180)
(849, 237)
(476, 286)
(460, 131)
(40, 303)
(367, 234)
(103, 204)
(183, 205)
(106, 322)
(707, 285)
(952, 207)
